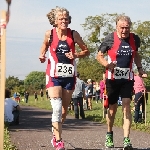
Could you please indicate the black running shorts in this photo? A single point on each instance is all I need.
(116, 88)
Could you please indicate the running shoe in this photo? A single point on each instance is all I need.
(60, 146)
(53, 141)
(127, 144)
(109, 140)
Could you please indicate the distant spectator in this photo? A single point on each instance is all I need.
(17, 99)
(97, 92)
(102, 87)
(47, 97)
(139, 89)
(12, 109)
(42, 94)
(90, 93)
(26, 95)
(35, 96)
(77, 96)
(15, 95)
(94, 91)
(86, 97)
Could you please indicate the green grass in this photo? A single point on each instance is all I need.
(93, 115)
(7, 142)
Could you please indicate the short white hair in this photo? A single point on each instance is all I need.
(123, 18)
(53, 14)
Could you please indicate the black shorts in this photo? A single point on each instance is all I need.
(116, 88)
(89, 96)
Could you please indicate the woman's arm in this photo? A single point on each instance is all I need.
(84, 50)
(82, 45)
(44, 46)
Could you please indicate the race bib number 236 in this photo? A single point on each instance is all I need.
(64, 70)
(121, 73)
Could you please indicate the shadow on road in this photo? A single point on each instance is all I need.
(36, 119)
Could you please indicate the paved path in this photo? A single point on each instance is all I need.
(34, 133)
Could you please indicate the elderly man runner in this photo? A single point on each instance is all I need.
(122, 49)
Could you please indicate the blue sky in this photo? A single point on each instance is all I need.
(28, 23)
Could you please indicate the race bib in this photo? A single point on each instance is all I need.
(64, 70)
(121, 73)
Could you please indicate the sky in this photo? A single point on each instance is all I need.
(28, 24)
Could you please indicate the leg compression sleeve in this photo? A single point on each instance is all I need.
(57, 109)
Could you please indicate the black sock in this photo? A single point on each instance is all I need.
(110, 132)
(59, 140)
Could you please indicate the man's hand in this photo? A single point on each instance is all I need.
(111, 66)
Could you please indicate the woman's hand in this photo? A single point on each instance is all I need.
(70, 55)
(42, 58)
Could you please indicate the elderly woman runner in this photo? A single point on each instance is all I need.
(61, 68)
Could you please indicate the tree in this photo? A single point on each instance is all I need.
(12, 82)
(90, 69)
(35, 80)
(15, 85)
(143, 30)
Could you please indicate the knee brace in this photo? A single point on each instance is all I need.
(57, 109)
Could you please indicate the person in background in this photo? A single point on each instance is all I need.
(47, 97)
(11, 109)
(102, 87)
(35, 96)
(26, 95)
(97, 92)
(77, 97)
(139, 89)
(90, 93)
(42, 94)
(15, 95)
(86, 97)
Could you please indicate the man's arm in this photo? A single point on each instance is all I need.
(137, 60)
(100, 58)
(103, 48)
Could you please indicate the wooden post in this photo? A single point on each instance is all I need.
(2, 74)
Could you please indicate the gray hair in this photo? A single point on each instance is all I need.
(53, 14)
(123, 18)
